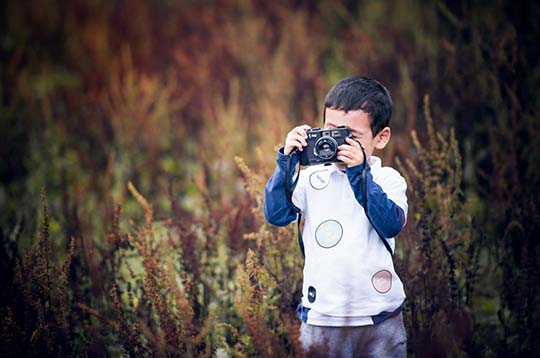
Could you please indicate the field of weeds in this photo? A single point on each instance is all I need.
(137, 138)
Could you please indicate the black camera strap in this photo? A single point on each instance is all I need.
(364, 197)
(289, 191)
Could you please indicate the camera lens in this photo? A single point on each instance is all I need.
(325, 148)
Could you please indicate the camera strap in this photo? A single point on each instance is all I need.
(364, 197)
(289, 191)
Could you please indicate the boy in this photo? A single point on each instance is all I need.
(352, 297)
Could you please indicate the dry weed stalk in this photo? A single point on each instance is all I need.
(130, 330)
(44, 291)
(252, 309)
(115, 239)
(254, 183)
(443, 234)
(273, 279)
(171, 299)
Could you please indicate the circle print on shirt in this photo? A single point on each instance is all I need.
(328, 233)
(319, 179)
(382, 281)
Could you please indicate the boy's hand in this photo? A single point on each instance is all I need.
(350, 154)
(296, 139)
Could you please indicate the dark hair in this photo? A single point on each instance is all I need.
(353, 93)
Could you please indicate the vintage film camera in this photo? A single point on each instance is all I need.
(322, 145)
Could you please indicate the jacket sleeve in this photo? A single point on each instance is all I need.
(278, 210)
(383, 210)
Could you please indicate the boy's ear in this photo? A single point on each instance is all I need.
(382, 138)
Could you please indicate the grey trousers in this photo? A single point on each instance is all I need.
(386, 339)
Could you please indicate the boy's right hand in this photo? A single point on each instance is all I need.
(296, 139)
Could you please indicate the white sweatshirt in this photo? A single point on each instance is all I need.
(349, 275)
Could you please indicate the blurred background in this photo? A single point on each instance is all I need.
(137, 136)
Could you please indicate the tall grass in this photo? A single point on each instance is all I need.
(154, 126)
(439, 251)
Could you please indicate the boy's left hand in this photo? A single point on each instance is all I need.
(350, 154)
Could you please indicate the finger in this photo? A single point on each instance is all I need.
(293, 146)
(345, 154)
(297, 132)
(354, 152)
(353, 142)
(296, 143)
(298, 137)
(344, 159)
(302, 130)
(350, 162)
(305, 127)
(356, 143)
(303, 134)
(351, 155)
(349, 148)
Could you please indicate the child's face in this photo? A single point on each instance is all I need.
(359, 125)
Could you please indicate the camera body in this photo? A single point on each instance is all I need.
(322, 145)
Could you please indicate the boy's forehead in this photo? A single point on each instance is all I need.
(356, 120)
